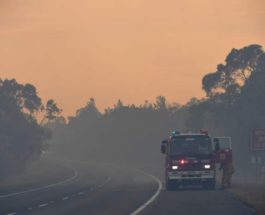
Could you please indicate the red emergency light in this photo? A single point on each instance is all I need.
(182, 161)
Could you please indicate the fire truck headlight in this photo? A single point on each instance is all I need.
(174, 167)
(207, 166)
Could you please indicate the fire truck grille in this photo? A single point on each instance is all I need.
(191, 167)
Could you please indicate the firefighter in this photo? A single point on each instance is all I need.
(263, 173)
(228, 170)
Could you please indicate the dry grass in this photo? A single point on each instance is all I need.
(32, 172)
(251, 194)
(37, 174)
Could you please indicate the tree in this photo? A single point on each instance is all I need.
(161, 103)
(90, 110)
(119, 104)
(52, 111)
(230, 77)
(252, 102)
(23, 97)
(21, 137)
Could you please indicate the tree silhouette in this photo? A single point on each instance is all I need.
(21, 136)
(52, 111)
(161, 103)
(231, 77)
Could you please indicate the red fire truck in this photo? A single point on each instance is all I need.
(191, 159)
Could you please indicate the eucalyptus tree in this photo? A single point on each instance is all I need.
(21, 136)
(229, 78)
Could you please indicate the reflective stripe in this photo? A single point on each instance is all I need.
(190, 178)
(191, 175)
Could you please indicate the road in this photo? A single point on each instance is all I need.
(104, 189)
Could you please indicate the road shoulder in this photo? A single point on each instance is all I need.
(38, 174)
(251, 195)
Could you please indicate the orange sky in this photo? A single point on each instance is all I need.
(134, 50)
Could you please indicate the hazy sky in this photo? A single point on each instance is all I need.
(134, 50)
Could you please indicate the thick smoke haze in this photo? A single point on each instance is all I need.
(91, 90)
(73, 50)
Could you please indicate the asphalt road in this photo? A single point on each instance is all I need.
(103, 189)
(197, 202)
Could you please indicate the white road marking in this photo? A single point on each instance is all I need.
(141, 208)
(45, 187)
(104, 183)
(29, 209)
(65, 198)
(81, 193)
(43, 205)
(13, 213)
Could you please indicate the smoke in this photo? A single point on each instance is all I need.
(95, 48)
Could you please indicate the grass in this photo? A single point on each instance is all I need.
(252, 195)
(37, 174)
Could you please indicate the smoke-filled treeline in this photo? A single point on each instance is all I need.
(124, 132)
(234, 104)
(22, 138)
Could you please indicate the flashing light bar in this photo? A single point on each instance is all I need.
(174, 133)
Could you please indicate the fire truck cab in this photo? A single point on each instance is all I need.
(190, 160)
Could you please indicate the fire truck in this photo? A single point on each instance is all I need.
(191, 159)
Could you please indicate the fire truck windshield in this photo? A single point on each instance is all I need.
(190, 145)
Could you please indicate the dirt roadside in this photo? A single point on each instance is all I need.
(37, 174)
(251, 194)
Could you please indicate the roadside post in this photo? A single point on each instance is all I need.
(257, 144)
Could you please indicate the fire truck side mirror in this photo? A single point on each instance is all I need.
(163, 149)
(164, 146)
(164, 142)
